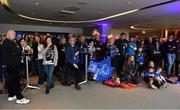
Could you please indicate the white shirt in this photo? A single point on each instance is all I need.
(40, 51)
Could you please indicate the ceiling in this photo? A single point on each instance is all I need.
(159, 17)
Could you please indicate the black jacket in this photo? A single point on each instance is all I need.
(11, 54)
(35, 51)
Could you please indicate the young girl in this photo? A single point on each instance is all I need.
(50, 58)
(130, 76)
(72, 60)
(91, 49)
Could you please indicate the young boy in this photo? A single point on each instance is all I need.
(140, 61)
(161, 82)
(149, 77)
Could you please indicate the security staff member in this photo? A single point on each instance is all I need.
(11, 56)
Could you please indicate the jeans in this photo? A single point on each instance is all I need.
(170, 59)
(40, 71)
(49, 71)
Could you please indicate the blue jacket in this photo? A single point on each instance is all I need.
(132, 47)
(140, 57)
(70, 57)
(149, 74)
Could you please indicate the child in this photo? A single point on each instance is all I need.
(91, 49)
(130, 77)
(113, 81)
(161, 82)
(139, 61)
(149, 77)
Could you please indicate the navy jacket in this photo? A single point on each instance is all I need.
(70, 57)
(11, 54)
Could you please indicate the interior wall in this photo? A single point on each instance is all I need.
(17, 27)
(118, 31)
(147, 34)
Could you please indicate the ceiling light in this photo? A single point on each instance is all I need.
(128, 3)
(100, 12)
(132, 27)
(143, 32)
(66, 11)
(36, 3)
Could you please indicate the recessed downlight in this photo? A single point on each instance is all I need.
(36, 3)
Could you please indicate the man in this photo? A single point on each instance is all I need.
(171, 54)
(100, 52)
(121, 44)
(11, 56)
(72, 61)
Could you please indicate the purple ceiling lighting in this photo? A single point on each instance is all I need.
(105, 31)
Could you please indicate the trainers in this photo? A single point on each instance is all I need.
(153, 87)
(12, 98)
(77, 87)
(117, 80)
(23, 101)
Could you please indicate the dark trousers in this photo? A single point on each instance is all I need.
(177, 69)
(75, 73)
(13, 79)
(158, 60)
(120, 65)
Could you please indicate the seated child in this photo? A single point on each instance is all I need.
(149, 77)
(130, 76)
(113, 81)
(155, 79)
(161, 82)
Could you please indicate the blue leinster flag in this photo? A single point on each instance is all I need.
(102, 70)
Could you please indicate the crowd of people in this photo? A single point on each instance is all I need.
(132, 57)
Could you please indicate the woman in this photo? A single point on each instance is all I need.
(25, 49)
(50, 58)
(61, 53)
(38, 49)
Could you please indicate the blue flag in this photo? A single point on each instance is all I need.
(102, 70)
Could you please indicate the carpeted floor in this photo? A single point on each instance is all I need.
(96, 95)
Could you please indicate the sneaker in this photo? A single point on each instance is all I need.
(117, 80)
(23, 101)
(77, 87)
(163, 86)
(12, 98)
(153, 87)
